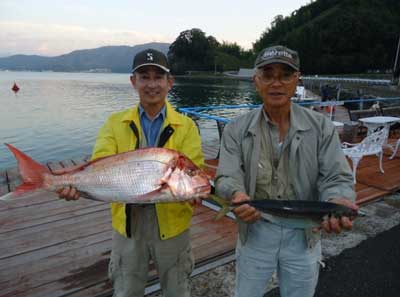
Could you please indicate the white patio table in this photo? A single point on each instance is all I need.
(373, 123)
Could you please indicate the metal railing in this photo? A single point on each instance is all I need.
(363, 81)
(200, 111)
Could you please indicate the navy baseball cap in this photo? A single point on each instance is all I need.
(150, 57)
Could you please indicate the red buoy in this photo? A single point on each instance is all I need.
(15, 88)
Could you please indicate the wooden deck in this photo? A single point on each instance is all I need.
(50, 247)
(371, 183)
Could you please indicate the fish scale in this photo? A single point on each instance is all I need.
(123, 182)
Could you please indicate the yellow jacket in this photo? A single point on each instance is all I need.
(116, 136)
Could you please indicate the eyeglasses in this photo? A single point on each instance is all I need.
(285, 77)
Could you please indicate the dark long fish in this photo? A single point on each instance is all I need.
(314, 210)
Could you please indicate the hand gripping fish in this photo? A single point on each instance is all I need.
(147, 175)
(300, 209)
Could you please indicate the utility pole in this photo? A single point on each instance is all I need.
(396, 67)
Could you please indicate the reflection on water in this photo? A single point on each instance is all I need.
(204, 92)
(56, 116)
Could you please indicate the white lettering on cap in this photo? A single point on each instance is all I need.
(150, 57)
(274, 53)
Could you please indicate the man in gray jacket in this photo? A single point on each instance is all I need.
(281, 151)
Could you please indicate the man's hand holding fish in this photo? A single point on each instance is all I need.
(337, 224)
(244, 212)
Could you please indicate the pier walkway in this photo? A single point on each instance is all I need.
(51, 247)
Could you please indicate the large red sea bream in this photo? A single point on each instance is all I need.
(142, 176)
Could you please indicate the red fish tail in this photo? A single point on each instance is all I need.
(32, 172)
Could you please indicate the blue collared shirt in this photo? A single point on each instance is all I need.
(151, 128)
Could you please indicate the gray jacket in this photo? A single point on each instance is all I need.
(318, 169)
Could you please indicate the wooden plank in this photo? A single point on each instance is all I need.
(3, 183)
(70, 229)
(215, 247)
(369, 194)
(16, 220)
(71, 263)
(13, 178)
(54, 166)
(368, 161)
(50, 211)
(217, 234)
(27, 200)
(198, 209)
(101, 289)
(388, 181)
(50, 253)
(3, 178)
(54, 289)
(359, 186)
(19, 234)
(206, 216)
(71, 271)
(3, 190)
(67, 163)
(393, 111)
(210, 238)
(81, 160)
(208, 223)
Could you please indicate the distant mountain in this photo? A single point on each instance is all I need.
(102, 59)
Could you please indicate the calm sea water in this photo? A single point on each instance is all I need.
(56, 116)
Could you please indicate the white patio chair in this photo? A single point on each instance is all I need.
(370, 145)
(395, 149)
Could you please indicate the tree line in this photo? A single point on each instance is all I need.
(331, 36)
(193, 50)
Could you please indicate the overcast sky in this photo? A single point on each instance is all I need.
(54, 27)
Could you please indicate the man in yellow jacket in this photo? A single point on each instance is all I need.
(159, 232)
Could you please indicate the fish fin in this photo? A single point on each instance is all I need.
(224, 206)
(32, 172)
(72, 170)
(75, 169)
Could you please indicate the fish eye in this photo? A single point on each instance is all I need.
(191, 172)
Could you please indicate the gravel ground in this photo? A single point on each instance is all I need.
(363, 262)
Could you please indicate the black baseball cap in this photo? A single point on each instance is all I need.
(150, 57)
(278, 54)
